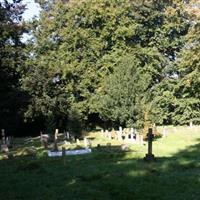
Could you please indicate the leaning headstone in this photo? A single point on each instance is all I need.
(124, 147)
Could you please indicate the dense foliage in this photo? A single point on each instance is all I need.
(117, 62)
(11, 60)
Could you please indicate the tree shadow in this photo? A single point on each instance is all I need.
(105, 174)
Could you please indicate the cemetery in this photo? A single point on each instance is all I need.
(99, 100)
(100, 166)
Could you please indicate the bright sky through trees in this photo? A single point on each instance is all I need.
(32, 10)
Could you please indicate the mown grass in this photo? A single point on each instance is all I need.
(108, 173)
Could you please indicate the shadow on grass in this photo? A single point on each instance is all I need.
(105, 174)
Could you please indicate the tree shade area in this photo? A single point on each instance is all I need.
(106, 62)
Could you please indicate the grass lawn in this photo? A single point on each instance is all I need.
(107, 173)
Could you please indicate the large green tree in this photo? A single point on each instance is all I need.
(81, 43)
(11, 60)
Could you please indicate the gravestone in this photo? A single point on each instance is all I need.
(4, 148)
(3, 136)
(56, 140)
(132, 137)
(149, 156)
(119, 135)
(77, 141)
(102, 133)
(66, 135)
(44, 139)
(137, 138)
(109, 135)
(106, 134)
(191, 124)
(124, 147)
(87, 143)
(164, 132)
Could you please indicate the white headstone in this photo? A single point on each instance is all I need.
(102, 133)
(191, 124)
(164, 133)
(86, 143)
(77, 141)
(106, 133)
(109, 135)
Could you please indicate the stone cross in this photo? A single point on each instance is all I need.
(149, 156)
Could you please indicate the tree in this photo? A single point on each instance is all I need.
(83, 42)
(187, 92)
(11, 60)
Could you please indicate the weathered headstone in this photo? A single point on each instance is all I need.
(44, 139)
(8, 140)
(87, 143)
(149, 156)
(66, 135)
(4, 148)
(3, 136)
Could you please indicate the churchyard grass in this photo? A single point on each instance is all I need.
(107, 173)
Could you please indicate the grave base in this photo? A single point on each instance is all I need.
(149, 157)
(69, 152)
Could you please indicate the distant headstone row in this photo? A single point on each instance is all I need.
(129, 135)
(45, 140)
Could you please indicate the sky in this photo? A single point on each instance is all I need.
(32, 10)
